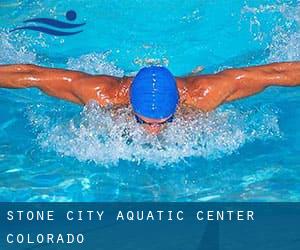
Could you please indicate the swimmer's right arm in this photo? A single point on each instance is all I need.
(54, 82)
(74, 86)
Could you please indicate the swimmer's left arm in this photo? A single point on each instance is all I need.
(252, 80)
(207, 92)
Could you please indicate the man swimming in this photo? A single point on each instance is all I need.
(153, 93)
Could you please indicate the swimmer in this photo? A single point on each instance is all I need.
(154, 93)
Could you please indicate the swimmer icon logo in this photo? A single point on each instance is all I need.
(57, 28)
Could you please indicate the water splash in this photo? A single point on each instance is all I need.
(95, 63)
(106, 136)
(264, 8)
(285, 45)
(285, 35)
(143, 62)
(12, 51)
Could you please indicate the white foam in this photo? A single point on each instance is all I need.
(12, 51)
(285, 44)
(95, 63)
(106, 136)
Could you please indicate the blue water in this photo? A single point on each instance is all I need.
(248, 150)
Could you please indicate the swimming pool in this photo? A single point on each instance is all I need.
(248, 150)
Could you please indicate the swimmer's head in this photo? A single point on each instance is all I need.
(154, 95)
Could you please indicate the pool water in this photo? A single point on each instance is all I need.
(248, 150)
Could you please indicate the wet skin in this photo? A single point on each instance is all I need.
(203, 92)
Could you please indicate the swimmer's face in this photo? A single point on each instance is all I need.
(153, 126)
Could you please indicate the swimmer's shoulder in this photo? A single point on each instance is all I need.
(205, 92)
(190, 86)
(106, 90)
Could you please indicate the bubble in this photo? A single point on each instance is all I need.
(143, 62)
(108, 136)
(192, 17)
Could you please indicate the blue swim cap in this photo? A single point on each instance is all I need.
(154, 93)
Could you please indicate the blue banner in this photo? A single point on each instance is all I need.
(205, 226)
